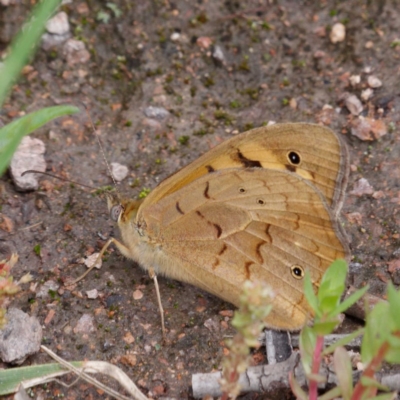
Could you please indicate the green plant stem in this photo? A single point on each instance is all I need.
(316, 363)
(360, 390)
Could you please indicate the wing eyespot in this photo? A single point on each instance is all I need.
(294, 157)
(260, 202)
(297, 271)
(242, 190)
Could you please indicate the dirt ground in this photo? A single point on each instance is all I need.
(278, 64)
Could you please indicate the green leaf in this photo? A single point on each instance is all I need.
(349, 301)
(325, 328)
(371, 382)
(12, 133)
(343, 342)
(307, 342)
(393, 355)
(377, 329)
(394, 304)
(11, 378)
(309, 293)
(24, 45)
(385, 396)
(334, 280)
(342, 364)
(334, 393)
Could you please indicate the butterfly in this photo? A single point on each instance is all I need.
(261, 206)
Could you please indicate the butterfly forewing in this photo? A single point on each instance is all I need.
(314, 152)
(237, 224)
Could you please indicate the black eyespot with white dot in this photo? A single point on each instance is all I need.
(294, 158)
(297, 271)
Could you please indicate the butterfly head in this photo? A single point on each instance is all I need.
(122, 210)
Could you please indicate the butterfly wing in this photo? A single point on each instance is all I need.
(312, 151)
(238, 224)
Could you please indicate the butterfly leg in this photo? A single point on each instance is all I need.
(160, 307)
(103, 250)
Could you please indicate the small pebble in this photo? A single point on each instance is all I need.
(20, 338)
(92, 294)
(75, 52)
(362, 187)
(353, 104)
(338, 33)
(158, 113)
(175, 36)
(29, 155)
(58, 25)
(119, 171)
(46, 288)
(366, 94)
(85, 324)
(218, 54)
(369, 44)
(89, 261)
(374, 82)
(355, 80)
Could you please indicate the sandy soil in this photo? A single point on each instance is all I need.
(278, 65)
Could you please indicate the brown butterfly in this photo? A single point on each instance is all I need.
(262, 206)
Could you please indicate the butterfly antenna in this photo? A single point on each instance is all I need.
(33, 171)
(102, 152)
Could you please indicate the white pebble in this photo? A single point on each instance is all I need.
(374, 82)
(29, 155)
(119, 171)
(58, 25)
(366, 94)
(355, 80)
(353, 104)
(338, 33)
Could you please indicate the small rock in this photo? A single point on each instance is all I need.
(158, 113)
(368, 128)
(119, 171)
(75, 52)
(137, 294)
(212, 324)
(46, 287)
(175, 36)
(92, 294)
(20, 338)
(85, 325)
(354, 218)
(362, 187)
(355, 80)
(89, 261)
(366, 94)
(49, 41)
(29, 155)
(369, 44)
(374, 82)
(129, 360)
(338, 33)
(353, 104)
(204, 42)
(58, 25)
(218, 54)
(378, 195)
(367, 69)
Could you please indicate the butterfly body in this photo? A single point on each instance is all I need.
(243, 211)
